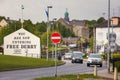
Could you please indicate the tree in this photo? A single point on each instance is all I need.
(91, 43)
(91, 24)
(10, 28)
(2, 17)
(65, 32)
(100, 20)
(41, 27)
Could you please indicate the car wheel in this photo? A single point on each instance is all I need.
(81, 62)
(72, 61)
(88, 65)
(100, 65)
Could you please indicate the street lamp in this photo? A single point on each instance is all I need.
(22, 8)
(53, 31)
(47, 28)
(78, 39)
(53, 21)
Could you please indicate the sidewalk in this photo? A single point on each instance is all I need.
(104, 73)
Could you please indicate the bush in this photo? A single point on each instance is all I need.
(117, 64)
(115, 55)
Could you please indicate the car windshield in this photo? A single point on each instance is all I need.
(94, 56)
(78, 52)
(68, 54)
(77, 55)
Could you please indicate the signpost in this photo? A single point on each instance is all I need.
(55, 38)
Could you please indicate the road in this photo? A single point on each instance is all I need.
(30, 74)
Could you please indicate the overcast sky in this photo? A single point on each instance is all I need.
(78, 9)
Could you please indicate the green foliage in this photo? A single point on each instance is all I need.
(44, 38)
(41, 27)
(2, 17)
(115, 55)
(91, 45)
(8, 29)
(15, 62)
(91, 24)
(69, 77)
(100, 20)
(117, 64)
(65, 32)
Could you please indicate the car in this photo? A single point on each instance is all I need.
(68, 55)
(94, 59)
(82, 54)
(77, 58)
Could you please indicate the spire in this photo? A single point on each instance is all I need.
(66, 18)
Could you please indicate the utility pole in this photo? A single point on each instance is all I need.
(47, 13)
(22, 7)
(108, 54)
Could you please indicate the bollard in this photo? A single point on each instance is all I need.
(95, 70)
(115, 74)
(78, 78)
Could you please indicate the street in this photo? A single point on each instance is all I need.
(30, 74)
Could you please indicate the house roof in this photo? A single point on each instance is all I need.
(78, 22)
(105, 24)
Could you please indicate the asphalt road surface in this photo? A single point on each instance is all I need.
(30, 74)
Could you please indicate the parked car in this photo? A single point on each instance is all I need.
(77, 58)
(94, 59)
(68, 55)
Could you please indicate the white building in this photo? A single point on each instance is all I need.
(22, 43)
(101, 31)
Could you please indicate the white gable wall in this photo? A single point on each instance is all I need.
(22, 43)
(101, 35)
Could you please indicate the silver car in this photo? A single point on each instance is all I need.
(94, 59)
(68, 55)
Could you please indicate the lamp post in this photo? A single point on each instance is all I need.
(22, 8)
(47, 28)
(108, 55)
(78, 40)
(53, 31)
(54, 23)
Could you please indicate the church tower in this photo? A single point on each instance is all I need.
(66, 18)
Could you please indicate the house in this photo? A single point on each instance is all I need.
(101, 36)
(5, 22)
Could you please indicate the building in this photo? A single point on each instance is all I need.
(78, 27)
(5, 22)
(101, 34)
(22, 43)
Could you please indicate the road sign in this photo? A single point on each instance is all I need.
(56, 37)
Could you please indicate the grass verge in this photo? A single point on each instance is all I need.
(71, 77)
(15, 62)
